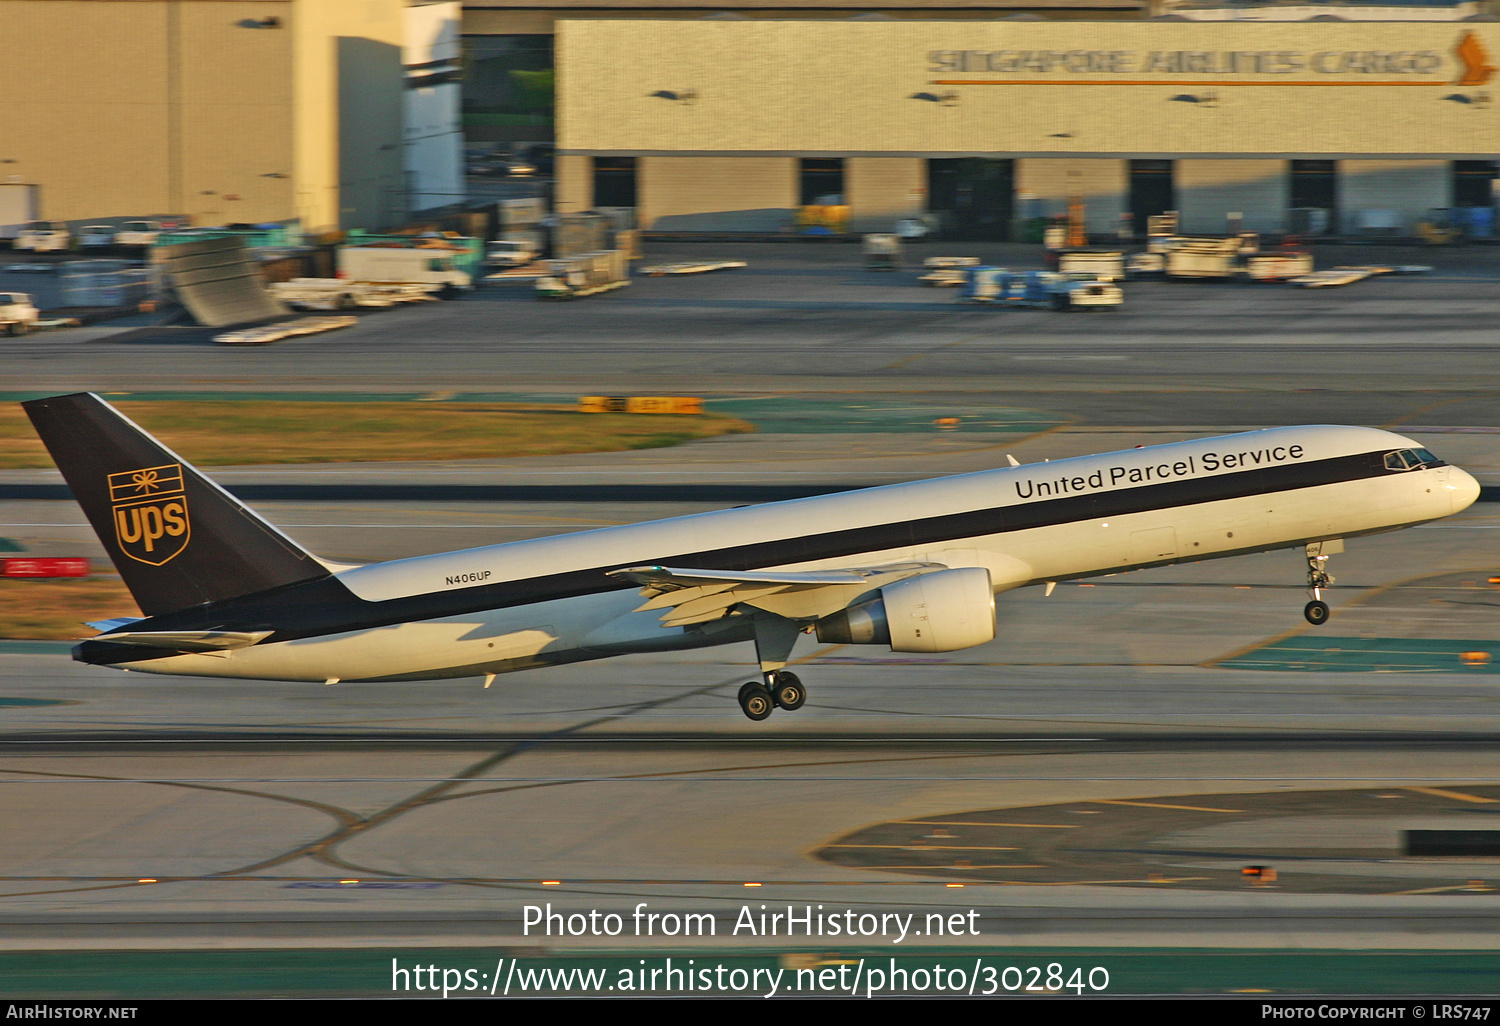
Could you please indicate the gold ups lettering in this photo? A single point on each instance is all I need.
(150, 513)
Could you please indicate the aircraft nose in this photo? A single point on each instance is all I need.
(1463, 488)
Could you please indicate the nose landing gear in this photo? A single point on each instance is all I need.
(1317, 612)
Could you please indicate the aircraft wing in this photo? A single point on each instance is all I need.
(187, 641)
(691, 596)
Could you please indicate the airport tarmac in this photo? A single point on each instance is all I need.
(806, 318)
(1196, 688)
(166, 813)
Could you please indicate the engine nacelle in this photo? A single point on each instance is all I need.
(938, 612)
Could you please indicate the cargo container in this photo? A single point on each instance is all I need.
(584, 275)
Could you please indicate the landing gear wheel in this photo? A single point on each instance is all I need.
(788, 691)
(1317, 613)
(756, 701)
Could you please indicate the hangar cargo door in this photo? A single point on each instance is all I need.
(1314, 197)
(218, 282)
(973, 197)
(1152, 191)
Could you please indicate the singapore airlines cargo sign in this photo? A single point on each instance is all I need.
(1359, 90)
(1468, 65)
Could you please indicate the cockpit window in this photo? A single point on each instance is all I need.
(1411, 459)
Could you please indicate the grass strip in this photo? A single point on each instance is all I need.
(230, 432)
(41, 610)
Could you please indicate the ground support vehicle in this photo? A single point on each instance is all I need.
(1039, 289)
(584, 275)
(1102, 263)
(513, 251)
(97, 236)
(266, 333)
(138, 233)
(1349, 275)
(338, 294)
(413, 261)
(43, 236)
(1278, 266)
(882, 252)
(691, 267)
(17, 313)
(946, 272)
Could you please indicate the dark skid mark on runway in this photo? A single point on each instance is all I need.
(1138, 842)
(325, 849)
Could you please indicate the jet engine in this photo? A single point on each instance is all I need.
(938, 612)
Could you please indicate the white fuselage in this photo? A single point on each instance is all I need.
(1028, 524)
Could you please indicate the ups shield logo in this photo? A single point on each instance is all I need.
(150, 513)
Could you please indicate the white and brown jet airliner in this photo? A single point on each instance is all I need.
(914, 566)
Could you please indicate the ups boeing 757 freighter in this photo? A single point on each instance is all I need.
(912, 566)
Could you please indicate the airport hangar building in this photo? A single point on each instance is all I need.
(730, 125)
(337, 113)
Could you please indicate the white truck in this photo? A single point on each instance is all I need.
(41, 236)
(407, 265)
(17, 313)
(138, 233)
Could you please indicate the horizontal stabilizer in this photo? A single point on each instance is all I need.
(113, 625)
(187, 641)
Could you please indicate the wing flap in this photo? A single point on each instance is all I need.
(666, 578)
(691, 596)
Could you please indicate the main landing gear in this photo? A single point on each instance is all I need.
(1317, 611)
(782, 689)
(774, 638)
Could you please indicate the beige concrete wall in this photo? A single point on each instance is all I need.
(882, 190)
(1103, 185)
(531, 21)
(119, 108)
(235, 99)
(1209, 190)
(716, 193)
(1408, 187)
(844, 88)
(574, 183)
(348, 119)
(138, 108)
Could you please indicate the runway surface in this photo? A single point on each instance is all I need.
(1156, 732)
(249, 805)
